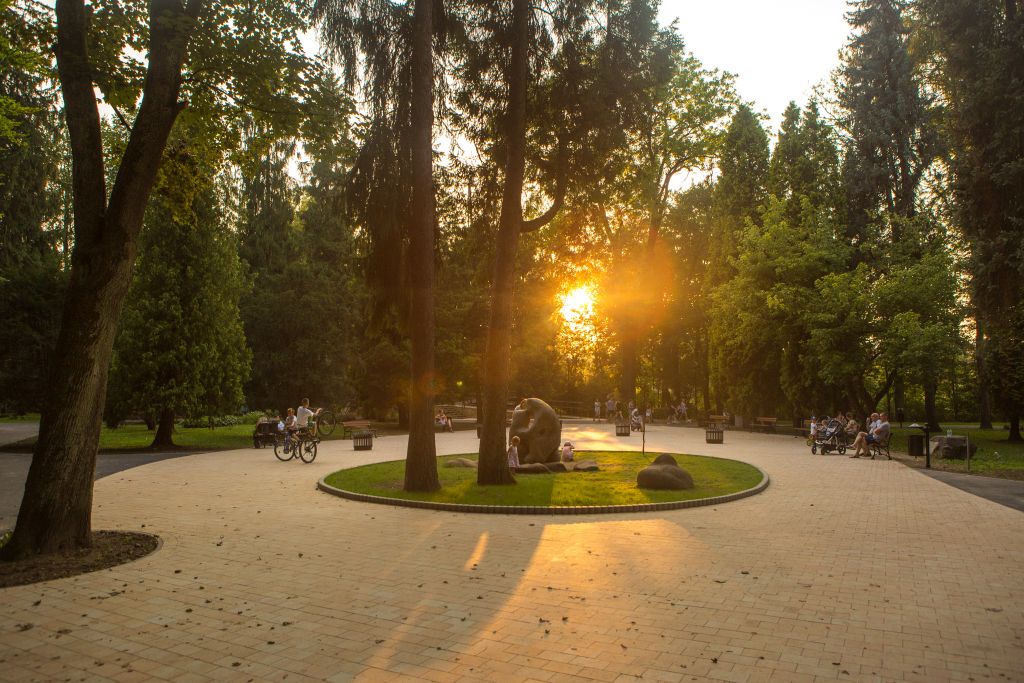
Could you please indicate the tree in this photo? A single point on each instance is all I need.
(398, 145)
(91, 55)
(977, 52)
(890, 125)
(740, 190)
(498, 51)
(421, 456)
(56, 507)
(181, 350)
(32, 279)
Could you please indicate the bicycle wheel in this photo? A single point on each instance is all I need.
(308, 451)
(282, 450)
(326, 423)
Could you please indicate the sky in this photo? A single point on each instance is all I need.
(778, 49)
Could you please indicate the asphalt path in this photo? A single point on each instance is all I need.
(1006, 492)
(14, 472)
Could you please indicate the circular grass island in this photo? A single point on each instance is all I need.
(611, 489)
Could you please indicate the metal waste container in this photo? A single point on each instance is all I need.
(915, 445)
(714, 433)
(362, 441)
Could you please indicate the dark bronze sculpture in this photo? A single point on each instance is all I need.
(539, 431)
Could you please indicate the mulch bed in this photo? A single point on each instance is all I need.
(109, 549)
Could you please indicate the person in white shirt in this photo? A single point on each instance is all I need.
(878, 433)
(303, 414)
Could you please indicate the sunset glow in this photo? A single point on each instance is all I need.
(578, 306)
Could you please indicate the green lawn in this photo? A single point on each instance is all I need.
(614, 484)
(135, 437)
(995, 457)
(27, 417)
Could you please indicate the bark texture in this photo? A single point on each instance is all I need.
(421, 455)
(164, 437)
(493, 467)
(55, 513)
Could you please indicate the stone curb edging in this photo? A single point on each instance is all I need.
(544, 510)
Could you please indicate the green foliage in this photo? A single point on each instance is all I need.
(976, 60)
(181, 345)
(303, 316)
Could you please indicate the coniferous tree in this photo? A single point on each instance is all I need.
(978, 47)
(181, 349)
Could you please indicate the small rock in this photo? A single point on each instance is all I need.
(461, 462)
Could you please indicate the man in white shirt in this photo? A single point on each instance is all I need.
(304, 413)
(878, 432)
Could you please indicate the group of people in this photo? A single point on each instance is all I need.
(613, 412)
(876, 432)
(296, 421)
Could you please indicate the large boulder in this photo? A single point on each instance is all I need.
(664, 474)
(539, 431)
(585, 466)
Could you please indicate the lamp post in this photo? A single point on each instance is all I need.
(927, 445)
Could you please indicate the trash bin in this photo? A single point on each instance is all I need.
(915, 445)
(714, 433)
(362, 441)
(622, 429)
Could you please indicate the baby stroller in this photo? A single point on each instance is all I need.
(832, 437)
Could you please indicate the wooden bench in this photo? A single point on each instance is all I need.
(717, 420)
(765, 423)
(350, 427)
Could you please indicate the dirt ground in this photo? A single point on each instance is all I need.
(109, 549)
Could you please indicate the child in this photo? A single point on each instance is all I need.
(568, 452)
(289, 426)
(813, 431)
(513, 454)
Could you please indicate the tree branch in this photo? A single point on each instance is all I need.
(83, 120)
(171, 26)
(560, 188)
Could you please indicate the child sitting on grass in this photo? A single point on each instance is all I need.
(568, 452)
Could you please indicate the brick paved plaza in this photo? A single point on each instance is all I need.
(842, 570)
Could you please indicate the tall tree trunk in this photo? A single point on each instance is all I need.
(984, 392)
(493, 468)
(629, 354)
(421, 455)
(56, 508)
(1015, 436)
(164, 430)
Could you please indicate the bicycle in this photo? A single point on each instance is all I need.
(302, 444)
(325, 422)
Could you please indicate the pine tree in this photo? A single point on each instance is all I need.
(978, 51)
(181, 349)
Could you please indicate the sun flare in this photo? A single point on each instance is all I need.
(578, 304)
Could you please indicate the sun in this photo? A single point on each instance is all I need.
(578, 305)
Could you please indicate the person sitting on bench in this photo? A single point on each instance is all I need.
(879, 434)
